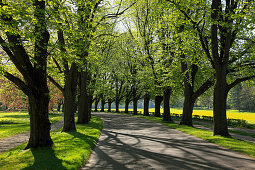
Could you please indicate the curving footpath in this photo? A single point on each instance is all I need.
(16, 140)
(128, 142)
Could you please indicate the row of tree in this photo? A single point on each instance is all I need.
(162, 47)
(52, 40)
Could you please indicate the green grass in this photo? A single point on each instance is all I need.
(70, 151)
(12, 123)
(230, 130)
(230, 143)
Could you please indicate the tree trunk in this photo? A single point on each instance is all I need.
(219, 101)
(158, 100)
(126, 105)
(59, 106)
(63, 107)
(117, 102)
(166, 97)
(187, 105)
(135, 106)
(83, 107)
(146, 104)
(102, 105)
(134, 102)
(39, 121)
(69, 97)
(96, 105)
(109, 105)
(90, 105)
(60, 103)
(187, 111)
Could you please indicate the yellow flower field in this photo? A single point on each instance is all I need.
(231, 114)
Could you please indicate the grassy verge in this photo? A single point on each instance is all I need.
(12, 123)
(230, 143)
(70, 151)
(230, 130)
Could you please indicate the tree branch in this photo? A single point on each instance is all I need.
(18, 82)
(205, 86)
(56, 84)
(237, 81)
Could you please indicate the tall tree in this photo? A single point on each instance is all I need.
(227, 21)
(32, 68)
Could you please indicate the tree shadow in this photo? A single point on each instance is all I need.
(7, 122)
(123, 146)
(45, 158)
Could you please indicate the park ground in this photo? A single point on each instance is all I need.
(64, 153)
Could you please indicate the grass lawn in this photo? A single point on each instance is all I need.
(12, 123)
(70, 151)
(230, 143)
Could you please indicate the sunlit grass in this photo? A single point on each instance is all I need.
(12, 123)
(70, 151)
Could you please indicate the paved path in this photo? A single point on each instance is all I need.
(13, 141)
(133, 143)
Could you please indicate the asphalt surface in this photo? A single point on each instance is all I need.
(128, 142)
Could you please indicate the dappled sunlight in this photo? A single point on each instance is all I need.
(69, 151)
(149, 145)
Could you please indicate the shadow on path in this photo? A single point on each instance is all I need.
(135, 143)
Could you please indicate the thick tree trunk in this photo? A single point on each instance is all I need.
(83, 107)
(135, 106)
(187, 105)
(117, 102)
(146, 104)
(158, 100)
(109, 105)
(219, 102)
(187, 111)
(69, 97)
(126, 105)
(166, 97)
(39, 121)
(96, 105)
(102, 105)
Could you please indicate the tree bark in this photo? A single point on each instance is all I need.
(166, 98)
(102, 105)
(83, 107)
(126, 105)
(219, 101)
(70, 96)
(96, 105)
(134, 101)
(188, 93)
(158, 100)
(39, 120)
(109, 105)
(117, 102)
(187, 110)
(146, 104)
(90, 105)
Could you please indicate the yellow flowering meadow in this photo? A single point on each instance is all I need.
(231, 114)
